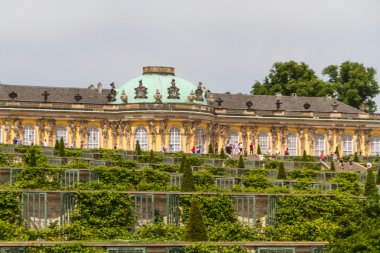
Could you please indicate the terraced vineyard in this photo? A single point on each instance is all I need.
(114, 201)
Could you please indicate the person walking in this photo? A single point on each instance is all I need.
(251, 149)
(350, 162)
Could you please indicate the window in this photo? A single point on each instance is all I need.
(174, 139)
(233, 137)
(319, 144)
(141, 135)
(93, 137)
(61, 132)
(263, 142)
(291, 144)
(28, 135)
(348, 145)
(201, 140)
(375, 146)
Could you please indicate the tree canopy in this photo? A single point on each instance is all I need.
(352, 82)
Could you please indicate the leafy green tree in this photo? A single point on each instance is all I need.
(258, 149)
(61, 148)
(356, 157)
(195, 227)
(370, 188)
(332, 165)
(281, 171)
(241, 162)
(56, 146)
(210, 149)
(188, 184)
(138, 148)
(356, 84)
(222, 154)
(292, 77)
(183, 163)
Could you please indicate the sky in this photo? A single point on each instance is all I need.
(227, 45)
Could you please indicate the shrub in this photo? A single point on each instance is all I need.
(61, 148)
(210, 149)
(378, 177)
(356, 157)
(230, 163)
(188, 179)
(337, 151)
(56, 146)
(222, 154)
(138, 148)
(370, 188)
(183, 162)
(258, 149)
(195, 227)
(195, 161)
(241, 162)
(34, 158)
(281, 172)
(332, 165)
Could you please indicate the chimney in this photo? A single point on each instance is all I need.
(100, 88)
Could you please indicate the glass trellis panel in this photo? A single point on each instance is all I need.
(69, 178)
(201, 140)
(93, 138)
(143, 207)
(276, 250)
(67, 206)
(291, 144)
(28, 134)
(61, 132)
(12, 250)
(34, 209)
(263, 142)
(375, 146)
(318, 249)
(125, 250)
(141, 135)
(233, 137)
(348, 145)
(172, 209)
(174, 139)
(94, 175)
(175, 179)
(174, 250)
(225, 183)
(245, 209)
(271, 209)
(319, 144)
(13, 175)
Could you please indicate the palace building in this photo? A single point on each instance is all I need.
(159, 109)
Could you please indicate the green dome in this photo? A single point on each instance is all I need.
(156, 81)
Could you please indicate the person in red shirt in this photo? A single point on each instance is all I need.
(193, 150)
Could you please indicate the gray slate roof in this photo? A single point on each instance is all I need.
(266, 102)
(230, 101)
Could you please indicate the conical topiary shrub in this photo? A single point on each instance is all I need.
(281, 171)
(337, 152)
(378, 177)
(241, 162)
(210, 149)
(182, 166)
(258, 149)
(222, 154)
(332, 165)
(56, 146)
(304, 156)
(138, 148)
(370, 188)
(61, 149)
(356, 157)
(195, 227)
(187, 179)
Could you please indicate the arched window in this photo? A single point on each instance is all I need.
(348, 145)
(263, 142)
(233, 137)
(174, 139)
(61, 132)
(141, 135)
(28, 135)
(291, 144)
(93, 137)
(201, 140)
(375, 146)
(319, 144)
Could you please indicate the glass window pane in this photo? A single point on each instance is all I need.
(348, 145)
(263, 142)
(319, 144)
(291, 144)
(141, 135)
(28, 135)
(174, 139)
(375, 146)
(93, 137)
(61, 132)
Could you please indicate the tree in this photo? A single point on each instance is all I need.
(195, 227)
(61, 148)
(241, 162)
(292, 77)
(188, 184)
(304, 156)
(258, 149)
(210, 149)
(222, 154)
(332, 165)
(356, 157)
(337, 152)
(151, 158)
(378, 177)
(56, 146)
(138, 148)
(281, 171)
(355, 84)
(183, 163)
(370, 188)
